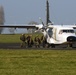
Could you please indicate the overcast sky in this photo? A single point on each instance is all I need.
(24, 11)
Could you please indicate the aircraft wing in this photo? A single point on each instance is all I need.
(22, 26)
(16, 26)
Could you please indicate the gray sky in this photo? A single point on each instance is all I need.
(24, 11)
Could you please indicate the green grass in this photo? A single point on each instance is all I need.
(37, 62)
(4, 38)
(9, 38)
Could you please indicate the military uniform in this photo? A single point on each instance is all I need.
(29, 41)
(37, 42)
(22, 38)
(43, 41)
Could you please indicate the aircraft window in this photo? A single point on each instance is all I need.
(72, 31)
(68, 31)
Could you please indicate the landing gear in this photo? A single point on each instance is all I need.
(52, 45)
(70, 45)
(48, 45)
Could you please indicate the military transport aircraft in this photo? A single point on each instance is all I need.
(54, 34)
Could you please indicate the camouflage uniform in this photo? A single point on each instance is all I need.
(43, 41)
(22, 38)
(29, 41)
(37, 42)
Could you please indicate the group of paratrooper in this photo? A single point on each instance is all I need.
(28, 41)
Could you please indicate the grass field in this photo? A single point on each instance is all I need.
(37, 62)
(9, 38)
(4, 38)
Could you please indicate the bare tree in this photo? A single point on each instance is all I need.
(2, 20)
(32, 23)
(12, 30)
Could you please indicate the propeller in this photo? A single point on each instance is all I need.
(43, 27)
(41, 21)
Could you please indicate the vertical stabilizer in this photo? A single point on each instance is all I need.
(47, 13)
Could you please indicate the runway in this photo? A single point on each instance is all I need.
(17, 46)
(10, 46)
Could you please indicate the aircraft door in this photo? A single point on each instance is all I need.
(54, 33)
(50, 32)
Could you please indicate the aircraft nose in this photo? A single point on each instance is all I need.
(71, 39)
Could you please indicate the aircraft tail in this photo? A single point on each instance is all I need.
(47, 13)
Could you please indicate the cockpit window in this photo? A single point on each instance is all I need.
(66, 31)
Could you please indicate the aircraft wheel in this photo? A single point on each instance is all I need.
(48, 45)
(52, 46)
(70, 45)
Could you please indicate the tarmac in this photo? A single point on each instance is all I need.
(17, 46)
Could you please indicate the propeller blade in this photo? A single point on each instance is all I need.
(41, 21)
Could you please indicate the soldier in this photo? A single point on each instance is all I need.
(43, 41)
(22, 38)
(42, 37)
(29, 41)
(37, 42)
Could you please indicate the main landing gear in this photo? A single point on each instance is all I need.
(51, 45)
(70, 45)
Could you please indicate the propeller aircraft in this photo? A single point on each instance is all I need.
(54, 34)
